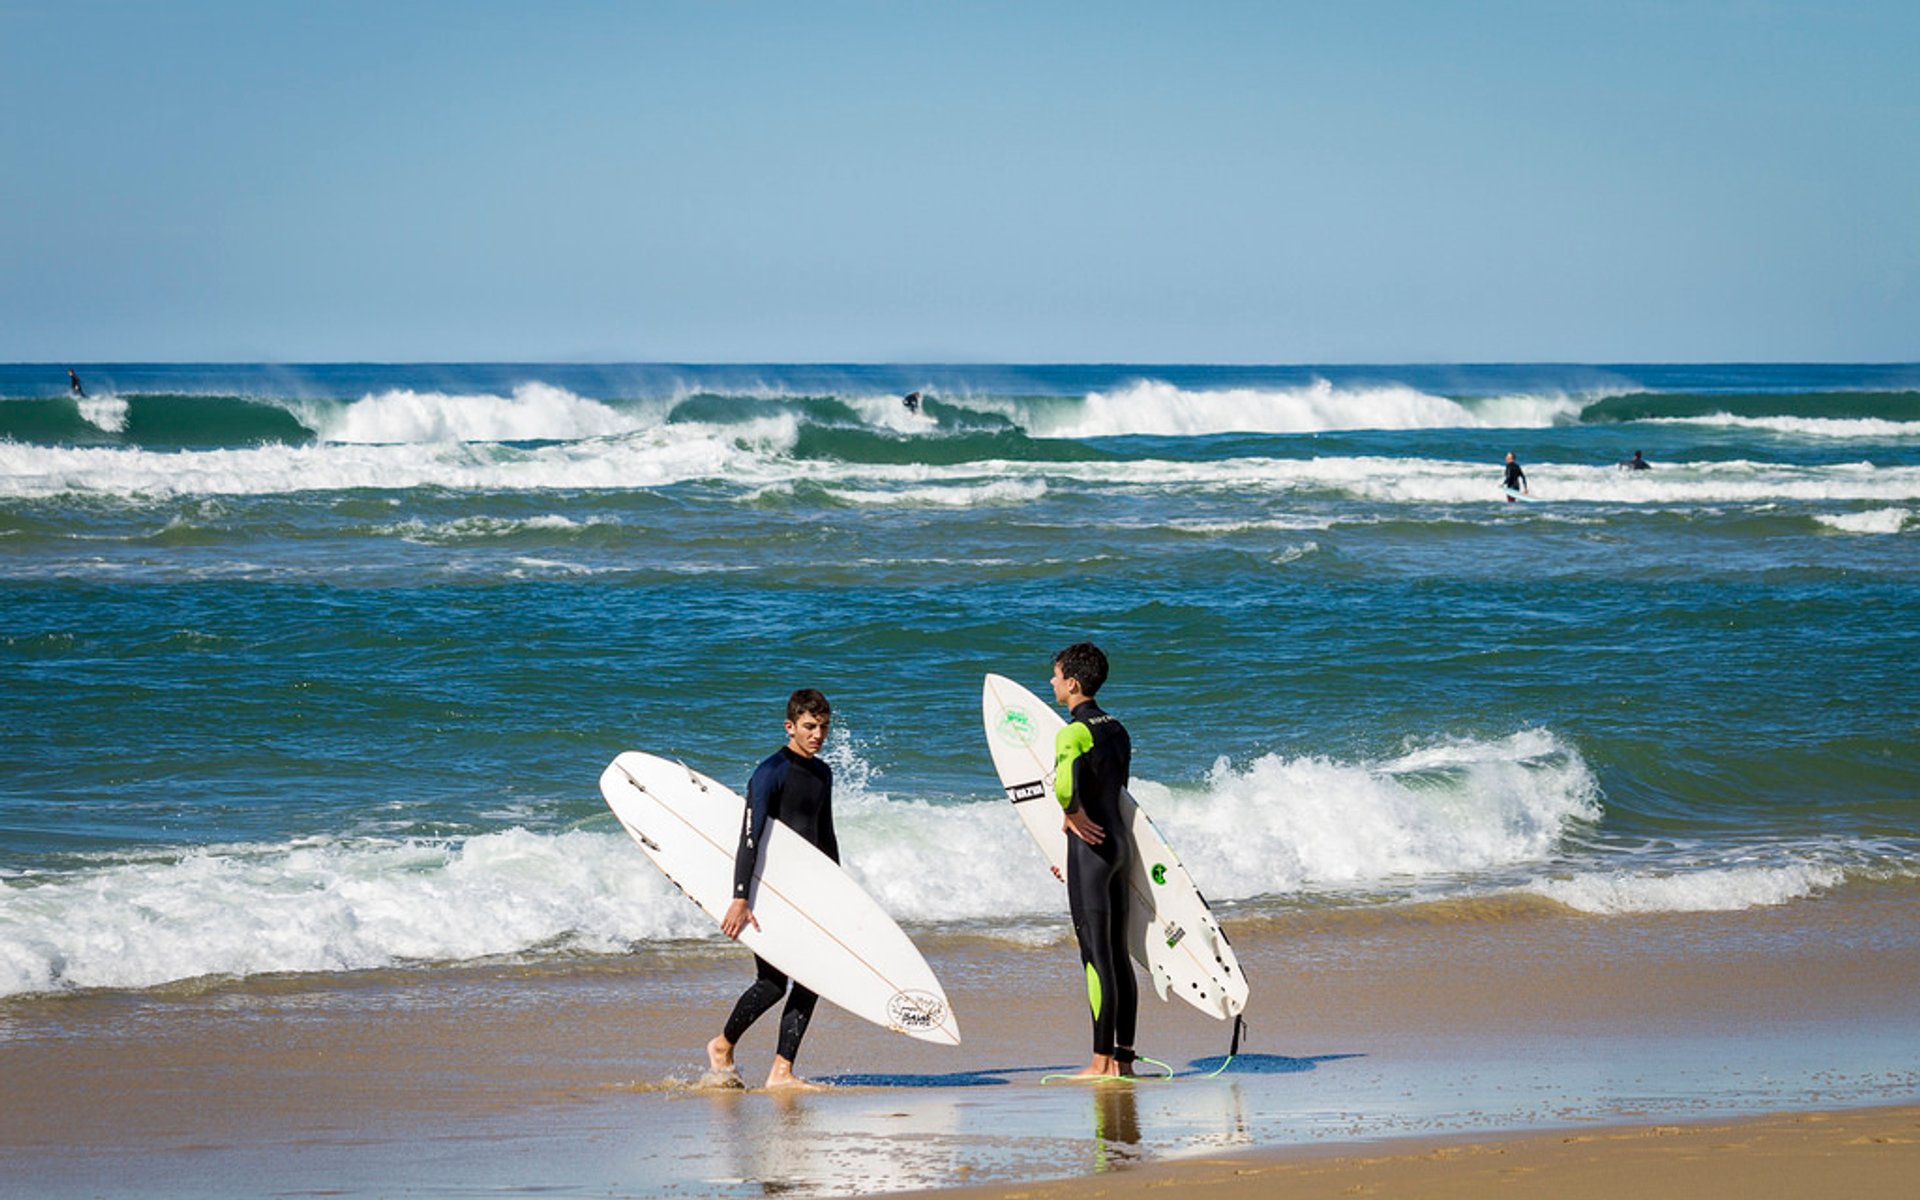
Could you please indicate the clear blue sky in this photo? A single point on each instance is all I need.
(1030, 182)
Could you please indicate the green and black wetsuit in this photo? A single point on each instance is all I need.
(1093, 757)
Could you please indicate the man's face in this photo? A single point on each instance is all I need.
(1061, 688)
(807, 733)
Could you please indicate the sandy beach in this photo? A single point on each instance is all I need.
(1403, 1052)
(1862, 1154)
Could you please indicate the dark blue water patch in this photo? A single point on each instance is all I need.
(1258, 1064)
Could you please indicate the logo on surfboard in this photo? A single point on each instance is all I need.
(1015, 725)
(1020, 793)
(915, 1010)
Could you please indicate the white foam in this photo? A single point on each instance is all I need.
(1154, 407)
(954, 495)
(656, 456)
(331, 905)
(1874, 521)
(1445, 818)
(535, 412)
(1710, 889)
(477, 528)
(1280, 825)
(1809, 427)
(105, 413)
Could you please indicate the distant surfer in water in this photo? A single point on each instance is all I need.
(795, 788)
(1636, 463)
(912, 401)
(1516, 480)
(1093, 757)
(73, 383)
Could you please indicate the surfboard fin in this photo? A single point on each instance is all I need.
(693, 776)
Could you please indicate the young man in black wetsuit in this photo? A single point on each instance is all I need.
(795, 788)
(1093, 757)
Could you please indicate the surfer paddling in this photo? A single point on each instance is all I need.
(1092, 758)
(795, 788)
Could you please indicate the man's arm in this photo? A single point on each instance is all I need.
(1070, 747)
(762, 796)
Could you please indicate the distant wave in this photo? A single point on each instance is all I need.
(867, 426)
(1873, 521)
(1153, 407)
(535, 412)
(1877, 428)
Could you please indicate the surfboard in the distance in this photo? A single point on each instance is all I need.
(816, 923)
(1170, 930)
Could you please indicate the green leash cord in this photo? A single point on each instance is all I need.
(1233, 1051)
(1239, 1027)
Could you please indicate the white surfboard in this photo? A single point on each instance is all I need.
(816, 923)
(1170, 930)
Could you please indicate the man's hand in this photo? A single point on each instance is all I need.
(737, 917)
(1080, 825)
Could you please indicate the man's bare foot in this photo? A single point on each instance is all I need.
(1103, 1066)
(720, 1054)
(782, 1078)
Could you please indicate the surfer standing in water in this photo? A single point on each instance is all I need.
(73, 383)
(1516, 480)
(1092, 759)
(795, 788)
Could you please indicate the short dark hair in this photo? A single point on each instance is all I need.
(808, 700)
(1085, 662)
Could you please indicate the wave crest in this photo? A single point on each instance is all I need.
(536, 412)
(1154, 407)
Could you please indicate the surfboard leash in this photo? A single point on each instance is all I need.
(1233, 1049)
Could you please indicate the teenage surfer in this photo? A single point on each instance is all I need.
(1092, 758)
(795, 788)
(73, 384)
(1516, 480)
(912, 401)
(1636, 463)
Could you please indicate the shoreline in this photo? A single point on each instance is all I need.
(1372, 1038)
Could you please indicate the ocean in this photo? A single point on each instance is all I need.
(313, 669)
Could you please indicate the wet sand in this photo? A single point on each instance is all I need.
(1471, 1023)
(1863, 1155)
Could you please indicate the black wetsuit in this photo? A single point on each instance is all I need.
(797, 792)
(1093, 757)
(1516, 478)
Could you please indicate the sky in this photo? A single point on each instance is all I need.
(1617, 181)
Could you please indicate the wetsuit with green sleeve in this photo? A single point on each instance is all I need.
(1093, 757)
(797, 792)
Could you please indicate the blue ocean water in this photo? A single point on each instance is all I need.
(315, 668)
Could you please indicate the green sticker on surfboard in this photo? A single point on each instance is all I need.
(1016, 726)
